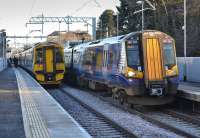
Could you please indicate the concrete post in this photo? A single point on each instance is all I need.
(94, 28)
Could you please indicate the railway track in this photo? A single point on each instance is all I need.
(188, 116)
(177, 122)
(181, 124)
(96, 124)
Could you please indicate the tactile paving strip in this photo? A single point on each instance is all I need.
(33, 123)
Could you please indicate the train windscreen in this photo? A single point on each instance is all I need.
(59, 57)
(39, 56)
(133, 59)
(169, 54)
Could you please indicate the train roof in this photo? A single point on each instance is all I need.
(110, 40)
(46, 43)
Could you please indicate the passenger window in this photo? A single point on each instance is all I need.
(111, 56)
(88, 57)
(39, 56)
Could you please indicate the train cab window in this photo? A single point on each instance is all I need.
(39, 56)
(169, 55)
(68, 58)
(59, 57)
(132, 48)
(77, 57)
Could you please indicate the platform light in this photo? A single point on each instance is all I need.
(141, 2)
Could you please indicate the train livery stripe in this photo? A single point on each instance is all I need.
(154, 64)
(148, 59)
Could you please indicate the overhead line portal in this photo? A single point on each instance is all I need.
(67, 19)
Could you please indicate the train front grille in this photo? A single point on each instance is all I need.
(153, 60)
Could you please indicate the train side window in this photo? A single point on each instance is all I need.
(105, 58)
(31, 61)
(59, 57)
(111, 56)
(39, 56)
(88, 57)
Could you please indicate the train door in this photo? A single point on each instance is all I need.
(154, 61)
(49, 60)
(154, 76)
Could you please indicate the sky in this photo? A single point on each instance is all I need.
(14, 14)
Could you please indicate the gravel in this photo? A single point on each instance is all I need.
(133, 123)
(95, 125)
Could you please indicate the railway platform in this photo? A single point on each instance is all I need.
(189, 91)
(27, 110)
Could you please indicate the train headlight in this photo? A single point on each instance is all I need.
(171, 73)
(131, 74)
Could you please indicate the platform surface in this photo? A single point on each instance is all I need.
(42, 115)
(11, 121)
(189, 90)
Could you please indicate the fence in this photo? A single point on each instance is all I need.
(189, 66)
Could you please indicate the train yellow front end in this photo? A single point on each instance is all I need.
(160, 64)
(48, 63)
(156, 72)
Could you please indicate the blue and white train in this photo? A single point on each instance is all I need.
(138, 68)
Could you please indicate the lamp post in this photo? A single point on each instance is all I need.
(185, 29)
(185, 40)
(150, 7)
(141, 2)
(59, 32)
(101, 24)
(117, 24)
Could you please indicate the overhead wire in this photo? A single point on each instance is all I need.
(164, 4)
(85, 4)
(81, 7)
(97, 3)
(31, 9)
